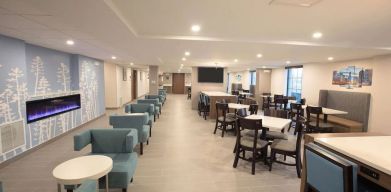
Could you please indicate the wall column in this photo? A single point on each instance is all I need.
(153, 80)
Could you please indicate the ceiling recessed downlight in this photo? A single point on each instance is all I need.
(187, 53)
(195, 28)
(317, 35)
(183, 59)
(259, 55)
(131, 64)
(288, 62)
(113, 57)
(70, 42)
(236, 60)
(263, 67)
(330, 58)
(181, 65)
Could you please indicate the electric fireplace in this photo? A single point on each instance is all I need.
(44, 108)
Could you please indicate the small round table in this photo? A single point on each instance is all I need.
(76, 171)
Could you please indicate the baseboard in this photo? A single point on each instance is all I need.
(28, 151)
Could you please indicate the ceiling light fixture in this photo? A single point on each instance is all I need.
(131, 64)
(263, 67)
(187, 53)
(317, 35)
(259, 55)
(248, 69)
(330, 58)
(113, 57)
(235, 60)
(181, 65)
(195, 28)
(288, 62)
(70, 42)
(183, 59)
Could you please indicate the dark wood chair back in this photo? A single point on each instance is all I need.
(235, 92)
(249, 124)
(317, 111)
(281, 103)
(241, 113)
(303, 101)
(276, 113)
(221, 110)
(296, 109)
(253, 109)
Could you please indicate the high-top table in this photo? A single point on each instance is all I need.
(217, 96)
(76, 171)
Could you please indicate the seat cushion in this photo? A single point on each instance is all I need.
(284, 145)
(271, 135)
(87, 186)
(124, 166)
(227, 119)
(232, 115)
(249, 142)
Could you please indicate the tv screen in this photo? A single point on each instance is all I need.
(210, 75)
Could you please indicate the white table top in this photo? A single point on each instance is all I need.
(373, 151)
(329, 111)
(216, 93)
(273, 123)
(244, 93)
(237, 106)
(77, 170)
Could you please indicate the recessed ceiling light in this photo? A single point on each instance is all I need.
(181, 65)
(330, 58)
(235, 60)
(288, 62)
(70, 42)
(263, 67)
(113, 57)
(183, 59)
(187, 53)
(132, 64)
(259, 55)
(248, 69)
(317, 35)
(195, 28)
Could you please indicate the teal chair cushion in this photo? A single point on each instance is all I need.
(140, 122)
(140, 108)
(87, 186)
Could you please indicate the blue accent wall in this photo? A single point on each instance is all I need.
(29, 72)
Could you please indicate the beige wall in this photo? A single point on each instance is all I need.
(196, 87)
(124, 88)
(319, 76)
(263, 84)
(142, 83)
(245, 80)
(278, 81)
(153, 80)
(110, 85)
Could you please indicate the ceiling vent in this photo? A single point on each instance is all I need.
(297, 3)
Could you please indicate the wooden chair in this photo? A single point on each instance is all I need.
(253, 109)
(266, 101)
(272, 135)
(281, 103)
(246, 143)
(204, 108)
(222, 120)
(289, 148)
(317, 125)
(189, 93)
(296, 112)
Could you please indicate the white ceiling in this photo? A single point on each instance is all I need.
(158, 32)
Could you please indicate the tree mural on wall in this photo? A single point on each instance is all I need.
(37, 69)
(63, 78)
(88, 91)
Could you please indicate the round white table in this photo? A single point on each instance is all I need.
(76, 171)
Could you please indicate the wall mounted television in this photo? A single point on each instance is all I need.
(210, 75)
(44, 108)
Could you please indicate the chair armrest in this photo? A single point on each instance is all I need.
(81, 140)
(131, 140)
(128, 108)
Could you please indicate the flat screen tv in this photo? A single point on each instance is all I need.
(44, 108)
(210, 75)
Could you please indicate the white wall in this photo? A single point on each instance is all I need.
(245, 79)
(124, 90)
(278, 81)
(117, 91)
(319, 76)
(142, 83)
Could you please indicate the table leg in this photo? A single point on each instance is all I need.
(58, 187)
(107, 182)
(325, 118)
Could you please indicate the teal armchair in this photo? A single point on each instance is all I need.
(142, 108)
(160, 97)
(133, 121)
(163, 93)
(118, 144)
(87, 186)
(158, 105)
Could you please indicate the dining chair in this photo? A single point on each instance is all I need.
(204, 106)
(296, 112)
(291, 148)
(253, 109)
(189, 93)
(281, 103)
(222, 120)
(266, 101)
(271, 135)
(314, 123)
(252, 144)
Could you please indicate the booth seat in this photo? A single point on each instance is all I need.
(118, 144)
(142, 108)
(344, 125)
(136, 121)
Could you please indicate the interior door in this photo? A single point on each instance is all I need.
(178, 83)
(134, 84)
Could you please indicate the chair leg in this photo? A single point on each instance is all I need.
(148, 142)
(290, 125)
(150, 131)
(236, 157)
(236, 146)
(214, 132)
(141, 148)
(224, 129)
(154, 117)
(253, 163)
(131, 180)
(124, 189)
(272, 156)
(298, 166)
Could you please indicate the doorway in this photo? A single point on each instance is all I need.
(134, 84)
(178, 83)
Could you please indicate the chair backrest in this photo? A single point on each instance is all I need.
(296, 110)
(267, 94)
(128, 120)
(241, 113)
(327, 171)
(281, 102)
(151, 101)
(249, 124)
(223, 108)
(317, 111)
(278, 96)
(303, 101)
(276, 113)
(139, 108)
(235, 92)
(253, 109)
(245, 91)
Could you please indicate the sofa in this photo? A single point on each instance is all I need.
(142, 108)
(356, 104)
(155, 102)
(133, 121)
(118, 144)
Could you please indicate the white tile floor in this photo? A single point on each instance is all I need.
(183, 155)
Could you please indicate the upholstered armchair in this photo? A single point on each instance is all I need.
(117, 144)
(87, 186)
(158, 105)
(160, 97)
(142, 108)
(163, 93)
(133, 121)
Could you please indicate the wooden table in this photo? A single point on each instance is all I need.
(80, 169)
(273, 123)
(216, 96)
(361, 148)
(328, 111)
(237, 106)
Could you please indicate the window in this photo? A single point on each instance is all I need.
(253, 77)
(294, 77)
